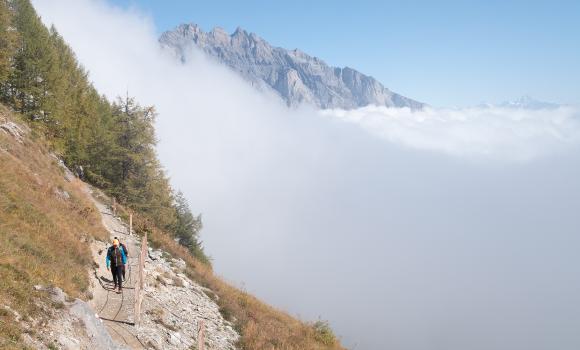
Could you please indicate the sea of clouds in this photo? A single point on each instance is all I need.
(493, 132)
(445, 228)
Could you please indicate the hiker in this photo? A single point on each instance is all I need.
(116, 258)
(126, 255)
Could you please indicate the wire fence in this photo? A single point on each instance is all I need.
(139, 288)
(139, 285)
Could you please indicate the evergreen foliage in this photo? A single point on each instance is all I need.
(187, 227)
(7, 40)
(109, 144)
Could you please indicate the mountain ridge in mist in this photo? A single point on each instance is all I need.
(294, 75)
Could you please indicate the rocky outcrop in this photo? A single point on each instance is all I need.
(295, 76)
(12, 129)
(73, 325)
(174, 306)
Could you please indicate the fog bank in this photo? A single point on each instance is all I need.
(444, 229)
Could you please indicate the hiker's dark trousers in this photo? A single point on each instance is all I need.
(117, 272)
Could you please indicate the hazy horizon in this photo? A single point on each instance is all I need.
(447, 228)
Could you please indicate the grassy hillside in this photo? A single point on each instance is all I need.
(45, 222)
(260, 325)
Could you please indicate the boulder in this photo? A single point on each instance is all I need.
(95, 329)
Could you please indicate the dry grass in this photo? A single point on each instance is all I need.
(261, 326)
(43, 237)
(43, 241)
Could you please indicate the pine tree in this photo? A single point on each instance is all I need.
(8, 37)
(101, 150)
(33, 64)
(187, 227)
(135, 138)
(139, 178)
(113, 143)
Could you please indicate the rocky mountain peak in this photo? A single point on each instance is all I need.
(240, 32)
(293, 74)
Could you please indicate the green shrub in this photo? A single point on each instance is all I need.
(323, 333)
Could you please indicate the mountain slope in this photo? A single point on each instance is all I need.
(173, 306)
(295, 76)
(53, 232)
(47, 222)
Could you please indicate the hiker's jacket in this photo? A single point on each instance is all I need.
(116, 256)
(124, 248)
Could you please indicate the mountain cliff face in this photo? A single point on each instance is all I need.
(295, 76)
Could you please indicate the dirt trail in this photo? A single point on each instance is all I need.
(173, 305)
(116, 310)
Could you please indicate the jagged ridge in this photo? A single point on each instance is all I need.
(297, 77)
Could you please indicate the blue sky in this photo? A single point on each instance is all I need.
(446, 53)
(459, 228)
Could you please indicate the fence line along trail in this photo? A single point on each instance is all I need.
(117, 311)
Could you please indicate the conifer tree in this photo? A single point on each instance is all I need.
(187, 227)
(113, 143)
(8, 37)
(139, 178)
(33, 64)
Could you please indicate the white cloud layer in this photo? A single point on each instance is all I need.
(407, 244)
(484, 132)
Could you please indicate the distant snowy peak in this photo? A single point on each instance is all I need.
(295, 76)
(527, 102)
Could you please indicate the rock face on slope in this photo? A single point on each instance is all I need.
(73, 325)
(174, 306)
(295, 76)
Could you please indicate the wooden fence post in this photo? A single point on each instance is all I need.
(142, 261)
(201, 335)
(140, 285)
(137, 309)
